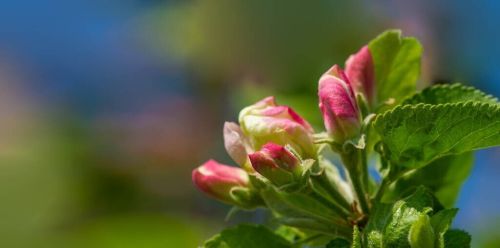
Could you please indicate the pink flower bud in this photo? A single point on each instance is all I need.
(218, 180)
(361, 71)
(276, 163)
(338, 105)
(236, 144)
(265, 121)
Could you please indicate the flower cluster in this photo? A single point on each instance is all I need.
(371, 113)
(275, 147)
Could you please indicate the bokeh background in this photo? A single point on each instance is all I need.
(107, 106)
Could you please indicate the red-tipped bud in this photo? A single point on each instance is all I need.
(225, 183)
(360, 70)
(338, 105)
(277, 164)
(265, 121)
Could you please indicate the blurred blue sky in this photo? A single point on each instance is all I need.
(88, 55)
(79, 49)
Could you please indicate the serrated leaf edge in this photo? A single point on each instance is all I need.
(400, 108)
(450, 87)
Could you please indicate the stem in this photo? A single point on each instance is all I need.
(354, 166)
(323, 141)
(383, 186)
(325, 183)
(364, 168)
(341, 211)
(360, 193)
(392, 176)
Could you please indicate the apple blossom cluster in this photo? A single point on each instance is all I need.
(275, 146)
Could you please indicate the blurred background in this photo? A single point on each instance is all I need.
(107, 106)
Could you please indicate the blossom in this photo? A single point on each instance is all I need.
(225, 183)
(265, 121)
(360, 70)
(276, 163)
(338, 104)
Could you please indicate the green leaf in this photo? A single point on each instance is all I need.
(246, 236)
(390, 225)
(374, 239)
(404, 215)
(441, 222)
(421, 233)
(415, 135)
(397, 65)
(450, 93)
(444, 177)
(457, 239)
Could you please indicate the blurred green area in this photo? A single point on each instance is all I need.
(121, 180)
(56, 191)
(244, 50)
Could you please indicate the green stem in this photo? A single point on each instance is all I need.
(364, 170)
(392, 176)
(323, 141)
(341, 211)
(355, 171)
(380, 192)
(360, 193)
(332, 191)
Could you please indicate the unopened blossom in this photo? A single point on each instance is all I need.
(222, 181)
(265, 121)
(277, 164)
(338, 104)
(361, 73)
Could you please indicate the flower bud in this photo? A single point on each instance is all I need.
(338, 105)
(225, 183)
(277, 164)
(360, 70)
(265, 121)
(236, 145)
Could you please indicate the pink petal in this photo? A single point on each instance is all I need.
(361, 72)
(234, 142)
(338, 104)
(216, 179)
